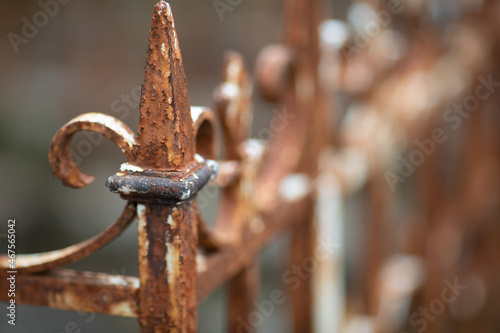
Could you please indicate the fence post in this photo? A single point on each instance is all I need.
(163, 179)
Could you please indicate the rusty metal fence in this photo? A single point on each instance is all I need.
(181, 259)
(288, 184)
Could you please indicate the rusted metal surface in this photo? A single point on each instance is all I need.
(61, 161)
(233, 103)
(167, 268)
(181, 259)
(243, 289)
(232, 259)
(274, 70)
(158, 186)
(302, 247)
(80, 291)
(165, 142)
(271, 187)
(165, 136)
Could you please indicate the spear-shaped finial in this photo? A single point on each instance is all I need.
(165, 138)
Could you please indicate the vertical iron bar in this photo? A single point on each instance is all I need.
(306, 99)
(242, 292)
(167, 232)
(303, 242)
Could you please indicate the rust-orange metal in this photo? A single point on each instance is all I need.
(174, 154)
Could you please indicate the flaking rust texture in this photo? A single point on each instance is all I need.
(166, 143)
(233, 103)
(165, 137)
(61, 161)
(80, 291)
(168, 162)
(167, 265)
(269, 188)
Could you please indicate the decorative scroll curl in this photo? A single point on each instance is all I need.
(63, 164)
(233, 104)
(65, 169)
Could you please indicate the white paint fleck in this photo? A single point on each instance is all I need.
(295, 187)
(172, 261)
(199, 158)
(142, 221)
(196, 112)
(170, 221)
(117, 280)
(334, 33)
(130, 167)
(254, 148)
(215, 168)
(186, 195)
(125, 190)
(141, 212)
(176, 42)
(402, 274)
(231, 90)
(124, 309)
(201, 263)
(109, 122)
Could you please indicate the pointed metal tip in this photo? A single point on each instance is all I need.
(165, 125)
(163, 8)
(163, 31)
